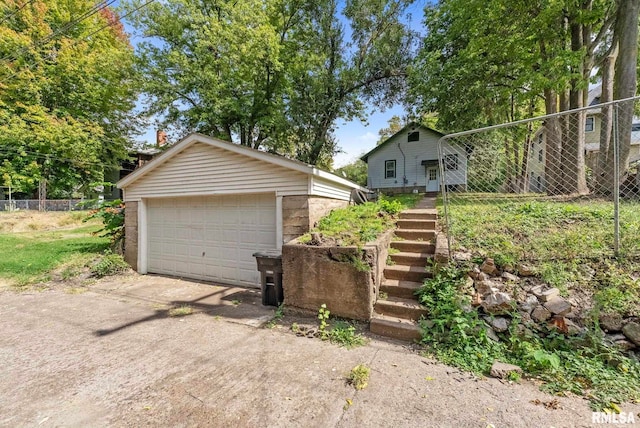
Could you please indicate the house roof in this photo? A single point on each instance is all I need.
(194, 138)
(413, 125)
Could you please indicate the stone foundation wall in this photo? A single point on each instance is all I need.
(346, 279)
(131, 234)
(301, 213)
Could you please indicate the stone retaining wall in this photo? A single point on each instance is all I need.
(335, 276)
(301, 213)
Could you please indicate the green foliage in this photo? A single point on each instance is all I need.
(356, 172)
(275, 73)
(109, 264)
(359, 377)
(180, 311)
(323, 316)
(358, 224)
(279, 314)
(342, 333)
(111, 213)
(66, 100)
(29, 258)
(582, 365)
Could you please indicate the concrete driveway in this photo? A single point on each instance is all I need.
(112, 356)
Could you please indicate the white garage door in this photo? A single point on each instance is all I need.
(211, 238)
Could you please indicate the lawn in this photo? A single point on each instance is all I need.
(29, 257)
(570, 243)
(356, 225)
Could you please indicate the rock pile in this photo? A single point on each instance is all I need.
(505, 296)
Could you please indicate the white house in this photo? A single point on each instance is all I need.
(202, 208)
(537, 149)
(408, 161)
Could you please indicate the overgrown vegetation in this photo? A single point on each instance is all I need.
(180, 311)
(277, 316)
(111, 213)
(455, 334)
(109, 264)
(358, 224)
(359, 377)
(342, 333)
(29, 257)
(570, 243)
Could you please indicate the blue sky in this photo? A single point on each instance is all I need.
(354, 137)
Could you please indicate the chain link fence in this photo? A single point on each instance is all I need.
(43, 205)
(556, 187)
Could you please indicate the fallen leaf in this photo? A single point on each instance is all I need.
(428, 378)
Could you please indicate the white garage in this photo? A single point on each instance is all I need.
(205, 206)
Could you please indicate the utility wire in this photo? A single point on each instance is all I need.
(6, 18)
(75, 42)
(102, 4)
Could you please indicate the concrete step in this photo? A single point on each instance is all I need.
(394, 327)
(416, 235)
(419, 214)
(399, 288)
(415, 224)
(401, 308)
(406, 273)
(411, 259)
(414, 246)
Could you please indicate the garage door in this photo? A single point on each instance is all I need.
(211, 238)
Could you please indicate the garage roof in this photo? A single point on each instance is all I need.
(194, 138)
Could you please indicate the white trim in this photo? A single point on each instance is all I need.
(310, 185)
(191, 139)
(217, 193)
(279, 223)
(143, 256)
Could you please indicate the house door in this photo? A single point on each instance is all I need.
(433, 179)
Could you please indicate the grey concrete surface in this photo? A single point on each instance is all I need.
(113, 357)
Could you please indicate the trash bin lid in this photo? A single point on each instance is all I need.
(269, 254)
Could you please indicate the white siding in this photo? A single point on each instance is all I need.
(211, 237)
(204, 170)
(328, 189)
(410, 165)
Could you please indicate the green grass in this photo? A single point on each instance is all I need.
(569, 243)
(29, 257)
(358, 224)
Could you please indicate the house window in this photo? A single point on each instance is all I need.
(390, 169)
(589, 124)
(451, 162)
(413, 136)
(540, 155)
(539, 183)
(433, 174)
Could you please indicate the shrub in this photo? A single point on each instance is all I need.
(109, 264)
(111, 213)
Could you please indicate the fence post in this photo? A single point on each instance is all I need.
(616, 184)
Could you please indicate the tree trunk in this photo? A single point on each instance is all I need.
(604, 167)
(553, 145)
(626, 32)
(572, 158)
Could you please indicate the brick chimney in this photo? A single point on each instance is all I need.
(161, 138)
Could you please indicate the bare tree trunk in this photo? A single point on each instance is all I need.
(553, 146)
(575, 180)
(626, 31)
(604, 167)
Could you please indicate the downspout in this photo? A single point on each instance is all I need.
(404, 169)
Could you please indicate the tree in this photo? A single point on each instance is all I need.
(395, 125)
(272, 74)
(487, 62)
(65, 96)
(355, 171)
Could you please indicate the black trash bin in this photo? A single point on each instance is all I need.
(270, 267)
